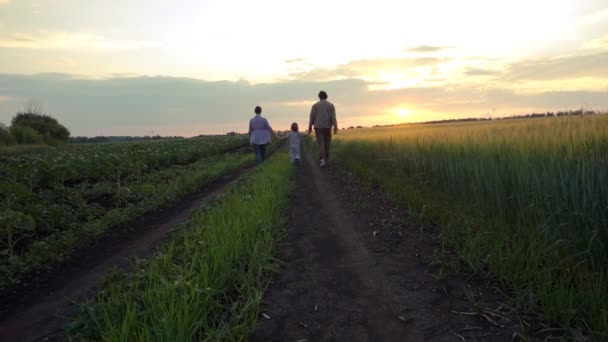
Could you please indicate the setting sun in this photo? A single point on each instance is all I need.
(403, 112)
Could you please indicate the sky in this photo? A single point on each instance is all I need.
(189, 67)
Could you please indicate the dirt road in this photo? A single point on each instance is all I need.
(356, 269)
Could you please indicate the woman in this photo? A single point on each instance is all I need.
(259, 134)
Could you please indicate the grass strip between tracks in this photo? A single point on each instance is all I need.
(205, 284)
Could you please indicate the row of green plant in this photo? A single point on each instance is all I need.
(116, 162)
(35, 202)
(41, 230)
(206, 283)
(525, 202)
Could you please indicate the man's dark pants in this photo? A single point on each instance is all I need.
(323, 140)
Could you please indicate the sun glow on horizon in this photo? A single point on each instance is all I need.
(399, 113)
(403, 112)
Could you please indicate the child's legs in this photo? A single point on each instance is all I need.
(294, 152)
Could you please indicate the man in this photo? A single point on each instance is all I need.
(323, 117)
(259, 134)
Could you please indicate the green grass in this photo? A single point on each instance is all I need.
(522, 201)
(207, 282)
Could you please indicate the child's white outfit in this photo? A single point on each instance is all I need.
(295, 139)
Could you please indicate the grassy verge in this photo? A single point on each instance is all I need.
(525, 212)
(206, 284)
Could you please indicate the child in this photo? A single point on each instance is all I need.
(295, 139)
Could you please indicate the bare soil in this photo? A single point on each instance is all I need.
(43, 309)
(356, 267)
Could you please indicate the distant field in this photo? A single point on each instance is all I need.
(525, 201)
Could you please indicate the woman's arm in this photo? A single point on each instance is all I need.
(271, 131)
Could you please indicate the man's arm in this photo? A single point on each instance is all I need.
(313, 114)
(334, 122)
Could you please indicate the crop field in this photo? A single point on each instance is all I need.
(54, 200)
(523, 201)
(489, 228)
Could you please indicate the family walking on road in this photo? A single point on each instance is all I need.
(322, 118)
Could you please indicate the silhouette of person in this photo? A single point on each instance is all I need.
(323, 117)
(259, 134)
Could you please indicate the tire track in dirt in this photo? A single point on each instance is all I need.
(45, 311)
(340, 281)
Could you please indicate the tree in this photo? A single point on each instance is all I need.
(47, 127)
(33, 107)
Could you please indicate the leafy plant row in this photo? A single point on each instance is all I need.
(39, 231)
(113, 162)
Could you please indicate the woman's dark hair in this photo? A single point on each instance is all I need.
(294, 127)
(258, 110)
(323, 95)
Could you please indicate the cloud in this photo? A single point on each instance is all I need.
(394, 63)
(185, 106)
(425, 48)
(600, 43)
(5, 2)
(294, 60)
(593, 65)
(324, 74)
(166, 103)
(367, 68)
(472, 71)
(585, 70)
(65, 40)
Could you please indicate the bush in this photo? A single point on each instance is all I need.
(50, 140)
(44, 125)
(26, 135)
(6, 138)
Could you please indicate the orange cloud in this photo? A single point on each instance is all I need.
(425, 48)
(65, 40)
